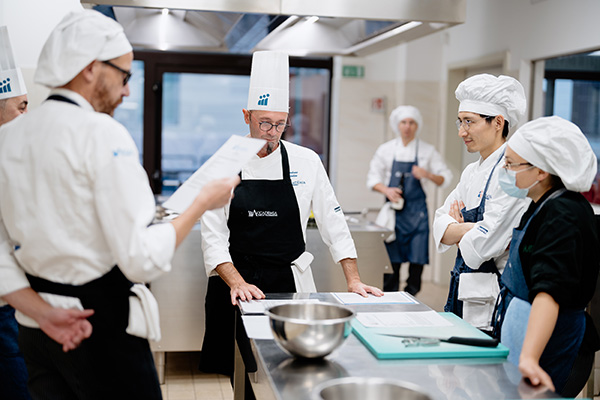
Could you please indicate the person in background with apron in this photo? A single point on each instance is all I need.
(256, 244)
(477, 216)
(554, 257)
(13, 103)
(398, 170)
(76, 213)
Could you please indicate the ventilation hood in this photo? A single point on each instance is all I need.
(298, 27)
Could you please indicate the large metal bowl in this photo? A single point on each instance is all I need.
(368, 389)
(310, 330)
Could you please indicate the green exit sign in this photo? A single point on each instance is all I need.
(353, 71)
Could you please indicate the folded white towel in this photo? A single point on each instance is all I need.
(387, 219)
(303, 277)
(144, 319)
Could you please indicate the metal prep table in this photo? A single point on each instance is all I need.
(180, 293)
(276, 375)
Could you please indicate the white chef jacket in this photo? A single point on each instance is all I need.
(380, 169)
(491, 236)
(313, 191)
(75, 200)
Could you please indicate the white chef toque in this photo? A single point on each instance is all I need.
(80, 38)
(490, 95)
(403, 112)
(269, 82)
(558, 147)
(11, 78)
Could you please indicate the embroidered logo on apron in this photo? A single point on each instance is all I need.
(254, 213)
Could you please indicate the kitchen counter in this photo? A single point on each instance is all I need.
(180, 293)
(279, 376)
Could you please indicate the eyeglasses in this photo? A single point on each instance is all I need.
(127, 73)
(466, 123)
(266, 126)
(512, 166)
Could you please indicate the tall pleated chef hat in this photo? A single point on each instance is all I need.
(490, 95)
(80, 38)
(269, 82)
(403, 112)
(558, 147)
(11, 78)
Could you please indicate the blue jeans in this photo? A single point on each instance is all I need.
(13, 373)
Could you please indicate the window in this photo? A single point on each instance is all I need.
(572, 91)
(192, 103)
(131, 112)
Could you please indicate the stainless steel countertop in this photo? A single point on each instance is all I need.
(282, 377)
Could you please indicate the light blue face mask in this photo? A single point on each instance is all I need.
(508, 182)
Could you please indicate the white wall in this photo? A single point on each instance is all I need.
(29, 23)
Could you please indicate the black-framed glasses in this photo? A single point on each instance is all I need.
(266, 126)
(127, 73)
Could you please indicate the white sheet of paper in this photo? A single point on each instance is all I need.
(227, 161)
(259, 306)
(406, 319)
(257, 326)
(387, 298)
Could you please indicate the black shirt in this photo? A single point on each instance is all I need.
(560, 252)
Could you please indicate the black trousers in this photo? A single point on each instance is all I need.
(109, 368)
(391, 282)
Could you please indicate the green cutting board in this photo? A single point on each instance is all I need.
(388, 347)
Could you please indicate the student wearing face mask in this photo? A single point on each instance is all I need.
(554, 256)
(477, 216)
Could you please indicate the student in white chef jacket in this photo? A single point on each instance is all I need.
(400, 170)
(256, 244)
(478, 217)
(75, 224)
(13, 103)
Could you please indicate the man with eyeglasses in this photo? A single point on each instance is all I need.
(256, 244)
(478, 216)
(76, 231)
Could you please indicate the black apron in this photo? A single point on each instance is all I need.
(265, 236)
(412, 227)
(454, 305)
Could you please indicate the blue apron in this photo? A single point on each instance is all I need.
(412, 227)
(513, 315)
(473, 215)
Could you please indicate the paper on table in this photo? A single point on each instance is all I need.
(407, 319)
(227, 161)
(387, 298)
(259, 306)
(257, 326)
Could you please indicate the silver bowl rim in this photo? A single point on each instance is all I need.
(330, 321)
(316, 392)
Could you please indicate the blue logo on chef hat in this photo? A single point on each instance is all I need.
(5, 86)
(263, 99)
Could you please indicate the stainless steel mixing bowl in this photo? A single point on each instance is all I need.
(368, 389)
(310, 330)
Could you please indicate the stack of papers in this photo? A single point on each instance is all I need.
(259, 306)
(387, 298)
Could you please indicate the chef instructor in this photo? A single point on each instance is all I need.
(76, 214)
(256, 244)
(398, 170)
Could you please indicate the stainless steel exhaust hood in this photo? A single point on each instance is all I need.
(299, 27)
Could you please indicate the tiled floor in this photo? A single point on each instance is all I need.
(183, 381)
